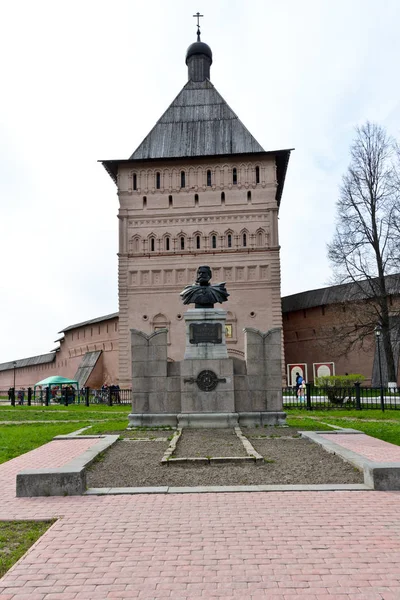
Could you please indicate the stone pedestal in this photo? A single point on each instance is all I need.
(207, 381)
(207, 386)
(205, 333)
(206, 389)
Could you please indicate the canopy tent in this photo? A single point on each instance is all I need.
(58, 381)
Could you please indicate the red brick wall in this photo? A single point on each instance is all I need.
(309, 338)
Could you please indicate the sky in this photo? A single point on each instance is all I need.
(86, 80)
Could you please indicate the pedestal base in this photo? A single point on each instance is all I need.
(220, 399)
(212, 420)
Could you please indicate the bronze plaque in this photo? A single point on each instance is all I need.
(207, 381)
(209, 333)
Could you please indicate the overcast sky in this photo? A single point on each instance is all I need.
(87, 79)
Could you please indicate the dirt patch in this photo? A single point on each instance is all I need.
(205, 442)
(270, 432)
(289, 460)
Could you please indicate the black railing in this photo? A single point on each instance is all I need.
(312, 398)
(50, 396)
(331, 397)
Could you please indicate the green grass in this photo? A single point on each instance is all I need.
(389, 432)
(384, 426)
(112, 425)
(18, 439)
(358, 414)
(62, 413)
(306, 424)
(16, 537)
(18, 436)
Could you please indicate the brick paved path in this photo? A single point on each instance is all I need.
(372, 448)
(278, 545)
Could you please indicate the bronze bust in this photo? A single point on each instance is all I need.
(202, 294)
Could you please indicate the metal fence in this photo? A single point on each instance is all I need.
(109, 396)
(332, 398)
(312, 398)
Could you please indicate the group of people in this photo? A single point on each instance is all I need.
(105, 392)
(20, 395)
(67, 394)
(300, 387)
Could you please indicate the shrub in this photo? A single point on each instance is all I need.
(339, 387)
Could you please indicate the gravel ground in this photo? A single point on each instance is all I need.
(294, 461)
(204, 442)
(273, 432)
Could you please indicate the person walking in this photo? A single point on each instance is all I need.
(302, 391)
(21, 396)
(299, 381)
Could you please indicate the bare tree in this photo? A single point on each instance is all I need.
(365, 247)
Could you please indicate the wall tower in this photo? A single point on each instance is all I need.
(198, 190)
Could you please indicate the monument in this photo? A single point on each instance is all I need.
(202, 294)
(207, 388)
(205, 325)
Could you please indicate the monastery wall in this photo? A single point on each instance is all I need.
(313, 335)
(102, 336)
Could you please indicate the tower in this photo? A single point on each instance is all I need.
(198, 190)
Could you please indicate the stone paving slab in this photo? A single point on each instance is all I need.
(372, 448)
(68, 479)
(379, 460)
(330, 545)
(239, 545)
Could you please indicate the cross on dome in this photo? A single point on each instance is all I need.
(198, 17)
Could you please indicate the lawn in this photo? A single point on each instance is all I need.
(384, 426)
(18, 436)
(18, 439)
(73, 412)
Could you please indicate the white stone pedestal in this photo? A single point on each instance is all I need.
(197, 319)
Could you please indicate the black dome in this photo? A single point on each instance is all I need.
(198, 48)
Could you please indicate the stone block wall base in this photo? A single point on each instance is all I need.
(382, 476)
(221, 420)
(69, 480)
(252, 419)
(51, 482)
(152, 420)
(217, 420)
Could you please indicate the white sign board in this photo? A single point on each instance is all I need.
(323, 369)
(293, 369)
